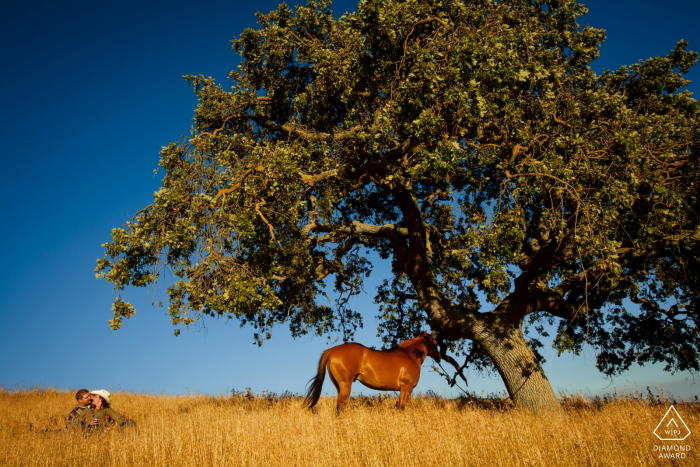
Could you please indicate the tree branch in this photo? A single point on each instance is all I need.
(360, 228)
(236, 185)
(628, 255)
(314, 179)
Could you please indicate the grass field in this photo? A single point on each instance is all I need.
(273, 430)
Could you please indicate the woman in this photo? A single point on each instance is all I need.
(104, 414)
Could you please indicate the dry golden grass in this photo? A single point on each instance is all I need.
(250, 430)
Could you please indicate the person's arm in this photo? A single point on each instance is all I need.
(72, 421)
(119, 419)
(82, 417)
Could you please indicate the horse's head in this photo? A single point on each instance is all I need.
(431, 345)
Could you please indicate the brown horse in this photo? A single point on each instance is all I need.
(397, 369)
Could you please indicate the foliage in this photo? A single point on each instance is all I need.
(467, 143)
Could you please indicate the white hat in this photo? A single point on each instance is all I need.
(103, 394)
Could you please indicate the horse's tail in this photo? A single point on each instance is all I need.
(314, 392)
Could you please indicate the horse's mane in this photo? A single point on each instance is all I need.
(409, 342)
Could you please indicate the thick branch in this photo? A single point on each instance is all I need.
(552, 302)
(314, 179)
(656, 249)
(457, 320)
(626, 256)
(359, 228)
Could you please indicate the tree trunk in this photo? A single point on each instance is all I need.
(522, 374)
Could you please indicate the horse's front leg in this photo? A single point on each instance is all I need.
(405, 395)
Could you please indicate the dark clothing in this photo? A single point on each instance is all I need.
(80, 416)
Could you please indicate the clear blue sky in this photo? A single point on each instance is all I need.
(90, 93)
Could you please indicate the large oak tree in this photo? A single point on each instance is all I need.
(470, 145)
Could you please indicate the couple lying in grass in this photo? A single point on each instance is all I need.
(93, 412)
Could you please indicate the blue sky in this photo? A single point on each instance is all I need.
(90, 93)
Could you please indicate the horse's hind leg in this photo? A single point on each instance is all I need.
(344, 390)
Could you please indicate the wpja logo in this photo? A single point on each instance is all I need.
(672, 428)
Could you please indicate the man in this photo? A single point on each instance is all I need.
(81, 415)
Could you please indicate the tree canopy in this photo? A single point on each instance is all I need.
(467, 143)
